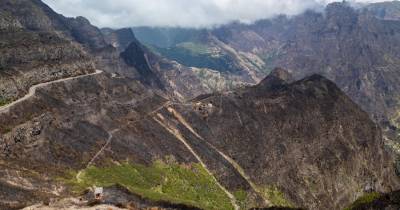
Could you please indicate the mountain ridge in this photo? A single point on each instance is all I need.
(354, 47)
(191, 122)
(285, 141)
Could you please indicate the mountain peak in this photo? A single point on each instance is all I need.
(282, 74)
(277, 78)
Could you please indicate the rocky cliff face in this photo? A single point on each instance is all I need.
(179, 81)
(120, 38)
(184, 83)
(199, 48)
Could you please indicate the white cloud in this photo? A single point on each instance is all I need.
(185, 13)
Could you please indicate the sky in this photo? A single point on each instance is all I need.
(181, 13)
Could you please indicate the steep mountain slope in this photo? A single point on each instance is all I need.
(131, 59)
(39, 45)
(353, 48)
(279, 143)
(358, 49)
(185, 83)
(277, 121)
(275, 143)
(179, 81)
(377, 201)
(31, 55)
(198, 48)
(120, 38)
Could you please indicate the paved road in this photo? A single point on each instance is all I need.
(32, 90)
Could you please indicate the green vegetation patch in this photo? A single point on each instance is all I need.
(216, 81)
(243, 199)
(190, 185)
(269, 59)
(195, 48)
(198, 55)
(364, 200)
(276, 197)
(4, 101)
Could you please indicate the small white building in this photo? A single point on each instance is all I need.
(98, 193)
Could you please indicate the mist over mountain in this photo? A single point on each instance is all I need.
(182, 13)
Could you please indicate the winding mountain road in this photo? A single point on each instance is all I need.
(32, 90)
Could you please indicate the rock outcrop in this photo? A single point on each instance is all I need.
(120, 38)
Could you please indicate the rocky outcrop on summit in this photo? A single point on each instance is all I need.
(85, 33)
(276, 79)
(135, 56)
(120, 38)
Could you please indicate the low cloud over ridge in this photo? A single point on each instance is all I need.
(183, 13)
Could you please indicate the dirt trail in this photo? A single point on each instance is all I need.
(32, 90)
(110, 136)
(235, 165)
(78, 175)
(174, 131)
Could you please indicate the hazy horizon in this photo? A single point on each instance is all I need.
(182, 13)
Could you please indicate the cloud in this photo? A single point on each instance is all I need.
(184, 13)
